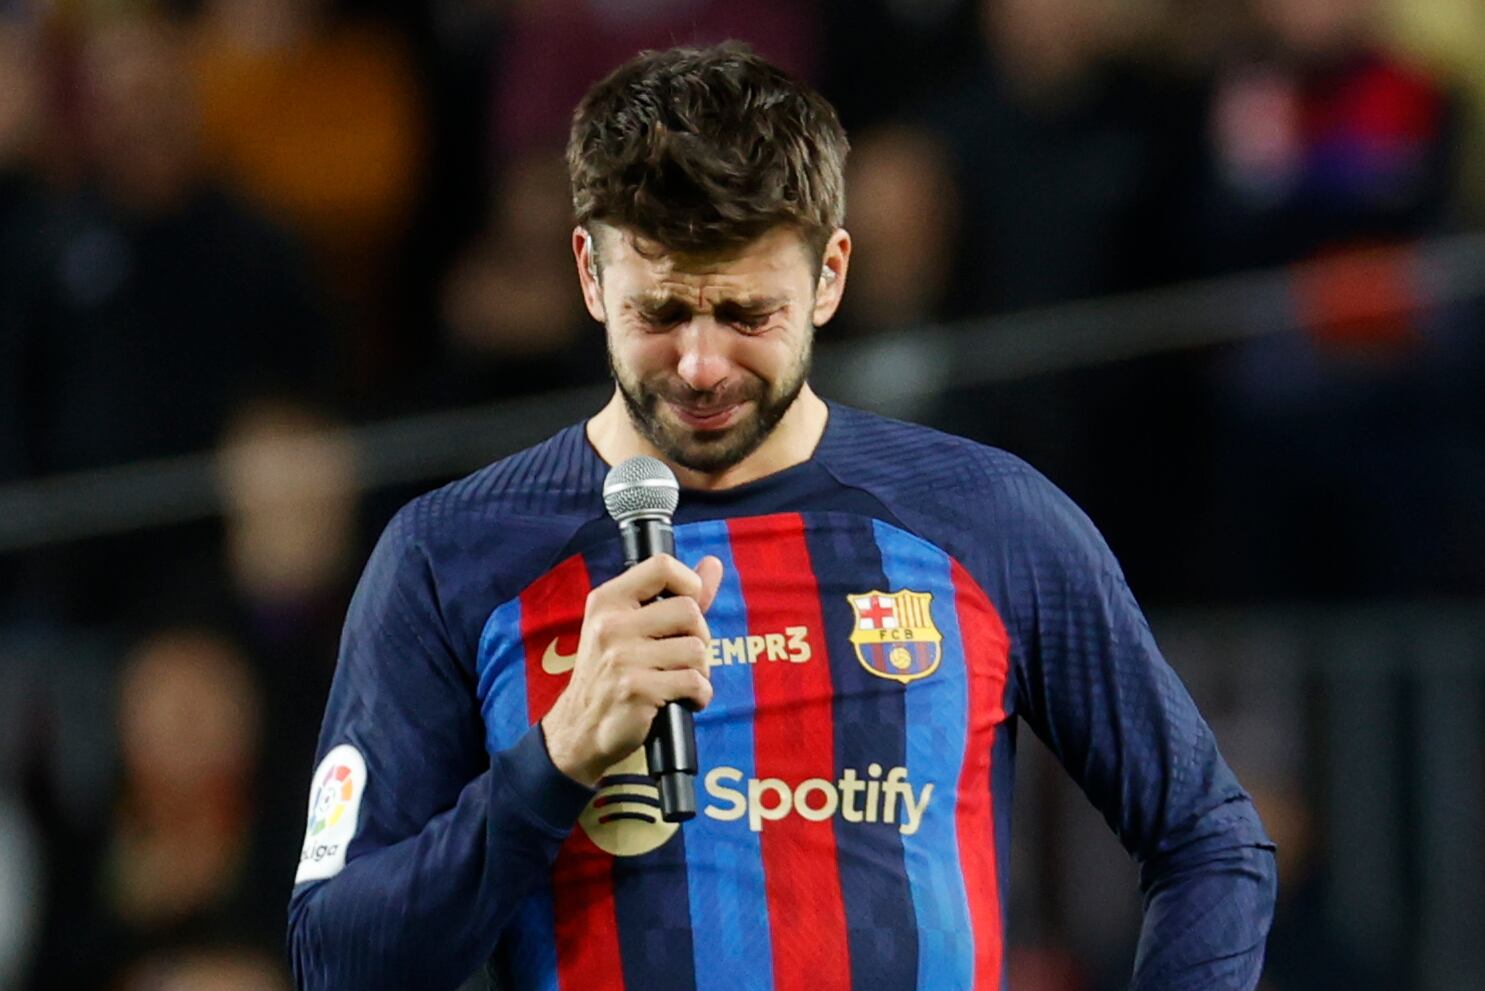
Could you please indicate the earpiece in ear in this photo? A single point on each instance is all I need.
(592, 259)
(827, 275)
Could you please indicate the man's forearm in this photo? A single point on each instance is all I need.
(428, 911)
(1208, 907)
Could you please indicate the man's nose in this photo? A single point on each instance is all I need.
(703, 363)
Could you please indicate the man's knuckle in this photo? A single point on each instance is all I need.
(682, 576)
(600, 626)
(611, 657)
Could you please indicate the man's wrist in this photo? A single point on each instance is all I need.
(549, 795)
(568, 759)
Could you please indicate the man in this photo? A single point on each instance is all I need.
(870, 605)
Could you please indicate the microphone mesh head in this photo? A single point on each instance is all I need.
(640, 486)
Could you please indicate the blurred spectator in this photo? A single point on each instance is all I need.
(1062, 153)
(555, 49)
(1351, 455)
(461, 40)
(514, 319)
(189, 726)
(293, 550)
(904, 218)
(208, 969)
(289, 485)
(174, 864)
(161, 300)
(1321, 136)
(320, 120)
(1333, 441)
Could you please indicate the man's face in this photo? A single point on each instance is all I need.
(709, 352)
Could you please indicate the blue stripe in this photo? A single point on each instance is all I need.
(528, 948)
(869, 723)
(937, 724)
(500, 668)
(729, 906)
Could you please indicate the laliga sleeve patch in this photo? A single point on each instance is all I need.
(335, 797)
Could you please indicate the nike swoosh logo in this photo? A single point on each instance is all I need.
(553, 662)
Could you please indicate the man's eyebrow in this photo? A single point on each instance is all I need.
(652, 300)
(755, 304)
(659, 300)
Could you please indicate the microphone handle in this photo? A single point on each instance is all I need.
(670, 747)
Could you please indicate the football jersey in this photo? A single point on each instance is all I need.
(889, 611)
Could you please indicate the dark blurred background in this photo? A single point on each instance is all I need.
(268, 268)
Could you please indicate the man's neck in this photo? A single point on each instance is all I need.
(793, 441)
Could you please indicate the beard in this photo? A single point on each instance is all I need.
(709, 451)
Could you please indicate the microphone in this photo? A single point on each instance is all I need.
(641, 495)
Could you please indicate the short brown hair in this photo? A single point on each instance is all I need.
(706, 149)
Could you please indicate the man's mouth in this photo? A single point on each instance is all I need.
(706, 417)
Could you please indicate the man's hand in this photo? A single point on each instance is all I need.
(633, 656)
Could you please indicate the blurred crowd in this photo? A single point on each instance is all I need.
(235, 225)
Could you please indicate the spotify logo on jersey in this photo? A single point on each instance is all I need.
(624, 817)
(874, 797)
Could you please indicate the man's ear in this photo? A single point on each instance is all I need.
(585, 253)
(832, 280)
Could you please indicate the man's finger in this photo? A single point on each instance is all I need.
(679, 652)
(673, 617)
(688, 685)
(649, 578)
(709, 570)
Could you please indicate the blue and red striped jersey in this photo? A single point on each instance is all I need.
(889, 611)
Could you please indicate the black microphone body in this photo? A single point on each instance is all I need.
(670, 748)
(641, 494)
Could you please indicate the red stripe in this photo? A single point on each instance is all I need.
(987, 657)
(587, 929)
(587, 923)
(793, 739)
(551, 609)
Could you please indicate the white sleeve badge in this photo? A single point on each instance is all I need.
(335, 795)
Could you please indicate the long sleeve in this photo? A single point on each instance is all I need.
(418, 845)
(1093, 685)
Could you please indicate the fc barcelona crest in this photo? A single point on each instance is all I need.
(894, 635)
